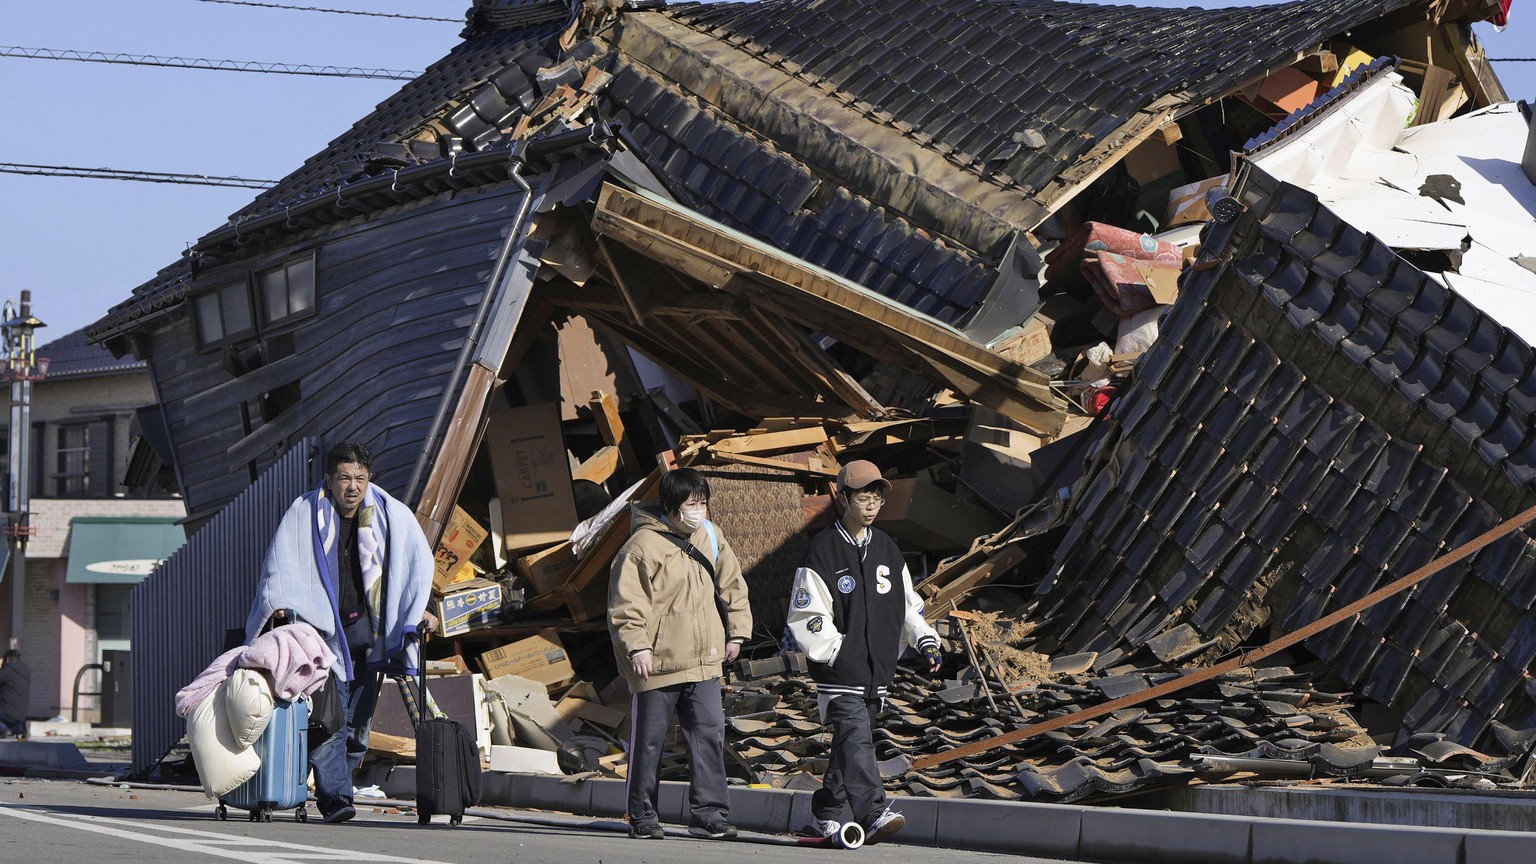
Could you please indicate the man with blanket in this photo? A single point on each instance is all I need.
(352, 562)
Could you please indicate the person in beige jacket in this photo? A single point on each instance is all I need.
(677, 611)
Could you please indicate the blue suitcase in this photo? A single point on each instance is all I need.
(282, 782)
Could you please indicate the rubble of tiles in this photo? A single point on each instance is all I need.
(1263, 713)
(1317, 419)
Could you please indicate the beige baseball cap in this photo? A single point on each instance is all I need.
(861, 473)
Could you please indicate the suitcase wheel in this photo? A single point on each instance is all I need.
(266, 814)
(422, 819)
(456, 821)
(220, 813)
(301, 814)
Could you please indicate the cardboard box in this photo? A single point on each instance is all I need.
(461, 537)
(460, 697)
(924, 516)
(533, 476)
(524, 760)
(1186, 203)
(467, 605)
(592, 711)
(541, 658)
(1028, 343)
(1162, 280)
(549, 568)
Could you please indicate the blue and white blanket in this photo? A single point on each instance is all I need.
(300, 573)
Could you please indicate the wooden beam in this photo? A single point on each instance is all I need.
(670, 410)
(599, 466)
(1469, 77)
(453, 457)
(937, 604)
(708, 379)
(767, 442)
(605, 410)
(630, 300)
(816, 468)
(837, 383)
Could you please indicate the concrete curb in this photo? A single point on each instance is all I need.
(1104, 834)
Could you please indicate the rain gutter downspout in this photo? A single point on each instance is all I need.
(514, 242)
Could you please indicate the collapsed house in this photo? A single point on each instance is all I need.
(594, 234)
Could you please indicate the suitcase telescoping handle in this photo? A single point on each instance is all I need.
(413, 704)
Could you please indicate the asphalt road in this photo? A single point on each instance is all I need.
(68, 822)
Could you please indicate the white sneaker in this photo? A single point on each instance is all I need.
(824, 828)
(883, 826)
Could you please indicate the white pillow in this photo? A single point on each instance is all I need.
(222, 764)
(247, 705)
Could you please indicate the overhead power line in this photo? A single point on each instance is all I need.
(334, 11)
(1512, 59)
(140, 176)
(198, 63)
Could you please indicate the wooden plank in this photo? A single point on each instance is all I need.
(997, 389)
(940, 602)
(616, 278)
(446, 473)
(704, 378)
(791, 439)
(839, 382)
(1450, 32)
(734, 350)
(605, 411)
(1432, 95)
(248, 386)
(669, 409)
(599, 466)
(817, 468)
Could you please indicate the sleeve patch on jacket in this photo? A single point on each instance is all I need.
(802, 598)
(814, 625)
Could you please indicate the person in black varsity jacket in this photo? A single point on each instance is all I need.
(853, 610)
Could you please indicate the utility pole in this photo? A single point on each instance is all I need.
(22, 367)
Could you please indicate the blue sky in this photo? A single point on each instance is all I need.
(81, 245)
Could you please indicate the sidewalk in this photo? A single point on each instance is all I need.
(1107, 834)
(1113, 835)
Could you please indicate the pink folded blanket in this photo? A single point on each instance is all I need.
(296, 656)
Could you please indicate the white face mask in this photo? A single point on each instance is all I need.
(692, 518)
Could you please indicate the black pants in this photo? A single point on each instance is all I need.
(697, 705)
(852, 777)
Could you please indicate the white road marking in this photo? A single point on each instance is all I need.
(204, 842)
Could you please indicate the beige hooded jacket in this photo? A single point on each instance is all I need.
(660, 598)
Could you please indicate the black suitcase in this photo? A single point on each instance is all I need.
(447, 762)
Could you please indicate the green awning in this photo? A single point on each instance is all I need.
(120, 550)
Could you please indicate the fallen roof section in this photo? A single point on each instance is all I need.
(1317, 416)
(757, 273)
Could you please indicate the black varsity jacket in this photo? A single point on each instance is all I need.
(852, 610)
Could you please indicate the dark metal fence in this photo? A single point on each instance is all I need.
(182, 612)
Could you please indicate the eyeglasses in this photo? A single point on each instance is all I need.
(867, 500)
